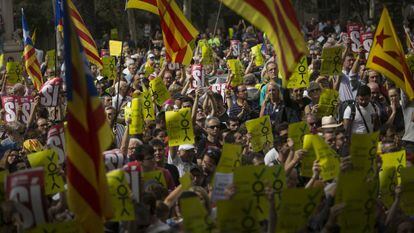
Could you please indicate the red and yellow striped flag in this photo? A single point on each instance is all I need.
(31, 63)
(177, 31)
(85, 37)
(87, 136)
(146, 5)
(387, 56)
(277, 19)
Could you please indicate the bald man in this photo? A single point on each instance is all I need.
(378, 100)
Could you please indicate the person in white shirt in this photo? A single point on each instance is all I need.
(362, 117)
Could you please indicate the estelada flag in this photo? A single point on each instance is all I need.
(387, 56)
(277, 18)
(178, 33)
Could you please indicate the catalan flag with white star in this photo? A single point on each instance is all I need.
(31, 63)
(387, 56)
(87, 136)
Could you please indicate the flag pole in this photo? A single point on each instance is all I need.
(118, 79)
(56, 37)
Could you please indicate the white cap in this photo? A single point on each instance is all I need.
(186, 147)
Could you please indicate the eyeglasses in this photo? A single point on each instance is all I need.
(243, 90)
(213, 126)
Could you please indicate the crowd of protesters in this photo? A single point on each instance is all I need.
(369, 102)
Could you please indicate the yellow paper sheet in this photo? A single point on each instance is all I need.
(179, 127)
(137, 122)
(230, 158)
(120, 196)
(328, 102)
(297, 132)
(395, 159)
(407, 183)
(159, 91)
(109, 67)
(14, 72)
(300, 76)
(156, 175)
(115, 48)
(237, 69)
(196, 219)
(261, 132)
(331, 61)
(49, 160)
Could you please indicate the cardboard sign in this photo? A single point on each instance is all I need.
(332, 61)
(261, 131)
(154, 176)
(148, 110)
(297, 206)
(395, 159)
(114, 159)
(238, 216)
(297, 132)
(235, 47)
(360, 198)
(120, 196)
(366, 39)
(56, 140)
(49, 93)
(195, 216)
(179, 127)
(48, 159)
(257, 54)
(364, 153)
(25, 188)
(354, 34)
(51, 59)
(109, 67)
(137, 121)
(328, 101)
(12, 103)
(115, 48)
(237, 69)
(159, 91)
(198, 75)
(14, 72)
(251, 181)
(407, 183)
(230, 158)
(300, 76)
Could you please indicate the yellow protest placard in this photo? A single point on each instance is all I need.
(148, 111)
(137, 122)
(120, 196)
(114, 34)
(395, 159)
(51, 58)
(14, 72)
(328, 159)
(297, 206)
(115, 48)
(237, 69)
(179, 127)
(62, 227)
(251, 181)
(185, 181)
(231, 33)
(328, 101)
(296, 132)
(206, 52)
(359, 197)
(257, 54)
(195, 216)
(1, 60)
(49, 160)
(159, 91)
(364, 153)
(307, 161)
(261, 132)
(388, 182)
(407, 183)
(230, 158)
(156, 175)
(127, 112)
(300, 76)
(238, 216)
(331, 60)
(109, 67)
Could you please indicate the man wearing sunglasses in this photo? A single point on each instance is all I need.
(213, 129)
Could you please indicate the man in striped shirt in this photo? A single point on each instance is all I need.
(118, 129)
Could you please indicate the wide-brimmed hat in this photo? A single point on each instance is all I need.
(329, 122)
